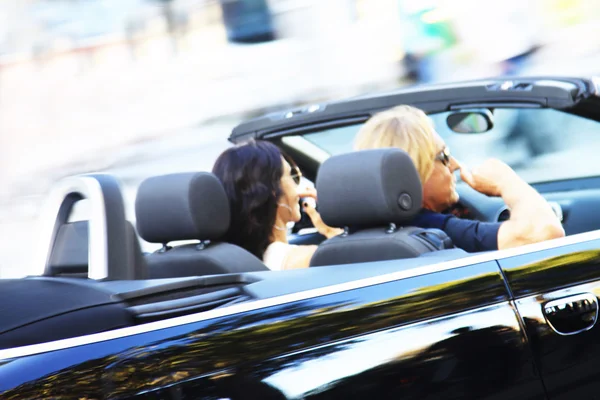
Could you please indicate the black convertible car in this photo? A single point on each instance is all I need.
(204, 319)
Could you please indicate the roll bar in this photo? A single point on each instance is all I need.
(110, 256)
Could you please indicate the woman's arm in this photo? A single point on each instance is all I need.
(299, 257)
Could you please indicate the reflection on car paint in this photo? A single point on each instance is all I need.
(554, 268)
(569, 365)
(425, 360)
(224, 346)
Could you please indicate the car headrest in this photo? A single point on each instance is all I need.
(182, 206)
(369, 188)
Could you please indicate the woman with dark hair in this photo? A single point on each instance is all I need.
(263, 192)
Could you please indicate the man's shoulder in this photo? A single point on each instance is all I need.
(431, 219)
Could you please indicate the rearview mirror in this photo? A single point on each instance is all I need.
(478, 121)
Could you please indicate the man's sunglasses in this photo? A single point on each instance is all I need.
(444, 156)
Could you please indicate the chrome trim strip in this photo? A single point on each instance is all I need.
(254, 305)
(56, 211)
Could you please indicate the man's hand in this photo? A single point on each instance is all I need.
(490, 178)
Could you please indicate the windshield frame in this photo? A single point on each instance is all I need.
(576, 95)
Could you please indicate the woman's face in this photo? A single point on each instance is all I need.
(439, 192)
(288, 205)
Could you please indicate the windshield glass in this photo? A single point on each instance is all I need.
(540, 144)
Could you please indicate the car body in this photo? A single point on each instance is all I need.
(517, 323)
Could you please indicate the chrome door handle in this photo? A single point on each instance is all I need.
(573, 314)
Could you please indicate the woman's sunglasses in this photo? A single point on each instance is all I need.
(296, 175)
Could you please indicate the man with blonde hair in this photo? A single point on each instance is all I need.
(410, 129)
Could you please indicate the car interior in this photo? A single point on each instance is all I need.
(86, 293)
(94, 276)
(540, 153)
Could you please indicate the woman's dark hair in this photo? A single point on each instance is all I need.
(251, 174)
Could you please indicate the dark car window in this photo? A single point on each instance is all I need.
(540, 144)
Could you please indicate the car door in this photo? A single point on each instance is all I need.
(556, 293)
(437, 331)
(448, 333)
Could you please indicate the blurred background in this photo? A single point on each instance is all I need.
(143, 87)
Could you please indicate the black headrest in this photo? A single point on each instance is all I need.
(182, 206)
(369, 188)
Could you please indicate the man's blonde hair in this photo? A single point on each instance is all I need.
(405, 127)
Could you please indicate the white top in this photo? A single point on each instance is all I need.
(276, 254)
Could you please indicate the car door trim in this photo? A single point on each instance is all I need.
(293, 297)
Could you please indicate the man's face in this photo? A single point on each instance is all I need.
(439, 192)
